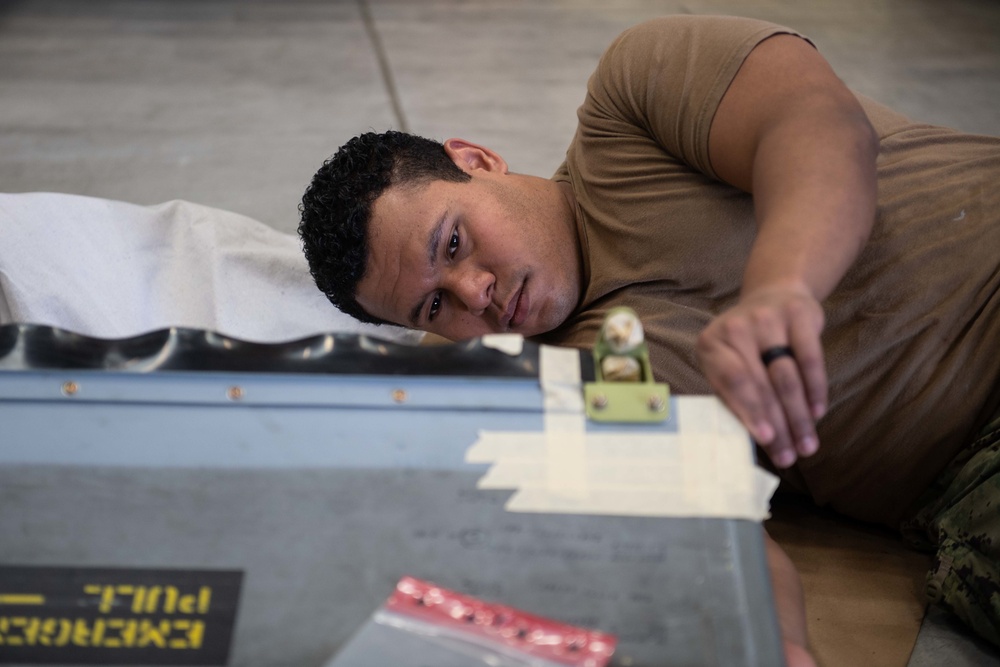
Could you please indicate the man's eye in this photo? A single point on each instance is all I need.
(453, 243)
(435, 307)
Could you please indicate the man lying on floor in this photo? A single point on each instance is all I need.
(828, 267)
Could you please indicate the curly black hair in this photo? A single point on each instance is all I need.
(336, 206)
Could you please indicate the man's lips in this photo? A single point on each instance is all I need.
(517, 309)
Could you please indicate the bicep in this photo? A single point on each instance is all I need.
(783, 80)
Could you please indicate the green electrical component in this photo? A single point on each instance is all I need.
(624, 390)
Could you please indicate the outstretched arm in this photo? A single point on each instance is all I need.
(789, 132)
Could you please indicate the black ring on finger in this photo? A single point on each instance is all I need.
(776, 352)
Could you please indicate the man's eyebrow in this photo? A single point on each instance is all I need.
(432, 252)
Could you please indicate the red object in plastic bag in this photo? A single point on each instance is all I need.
(424, 624)
(534, 635)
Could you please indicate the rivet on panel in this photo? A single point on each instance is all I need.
(235, 393)
(70, 388)
(399, 395)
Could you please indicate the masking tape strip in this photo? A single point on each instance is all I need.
(648, 502)
(564, 422)
(512, 344)
(703, 469)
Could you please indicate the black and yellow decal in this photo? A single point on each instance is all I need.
(117, 616)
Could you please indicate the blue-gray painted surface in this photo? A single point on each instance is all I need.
(324, 504)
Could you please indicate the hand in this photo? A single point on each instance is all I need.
(780, 403)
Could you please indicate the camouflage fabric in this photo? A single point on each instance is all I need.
(959, 520)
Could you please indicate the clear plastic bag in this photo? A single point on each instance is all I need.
(424, 625)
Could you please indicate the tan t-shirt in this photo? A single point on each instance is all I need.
(912, 339)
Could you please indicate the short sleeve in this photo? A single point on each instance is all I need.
(666, 78)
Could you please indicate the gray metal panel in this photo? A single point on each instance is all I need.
(325, 505)
(321, 550)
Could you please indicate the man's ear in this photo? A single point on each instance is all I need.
(470, 157)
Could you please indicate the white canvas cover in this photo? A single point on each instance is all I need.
(111, 269)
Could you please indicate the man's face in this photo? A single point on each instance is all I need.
(495, 255)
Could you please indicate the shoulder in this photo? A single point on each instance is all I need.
(691, 35)
(664, 79)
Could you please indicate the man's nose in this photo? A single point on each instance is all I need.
(474, 287)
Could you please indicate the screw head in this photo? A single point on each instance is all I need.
(599, 401)
(70, 388)
(656, 403)
(399, 395)
(235, 393)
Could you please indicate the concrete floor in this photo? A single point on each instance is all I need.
(235, 103)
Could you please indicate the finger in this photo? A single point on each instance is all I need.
(805, 340)
(792, 383)
(739, 379)
(788, 386)
(782, 448)
(726, 370)
(770, 332)
(741, 395)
